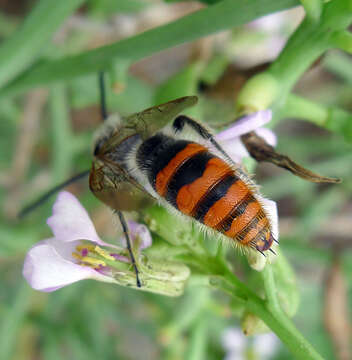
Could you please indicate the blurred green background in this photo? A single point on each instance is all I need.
(46, 136)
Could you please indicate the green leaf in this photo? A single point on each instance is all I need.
(62, 137)
(286, 285)
(209, 2)
(183, 83)
(107, 7)
(214, 69)
(12, 322)
(340, 64)
(27, 43)
(221, 16)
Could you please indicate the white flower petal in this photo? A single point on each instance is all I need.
(232, 355)
(140, 231)
(256, 260)
(245, 124)
(265, 345)
(63, 248)
(235, 149)
(70, 221)
(233, 340)
(271, 209)
(267, 135)
(46, 270)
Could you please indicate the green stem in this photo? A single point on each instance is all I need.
(285, 330)
(339, 64)
(271, 313)
(308, 43)
(313, 8)
(198, 344)
(331, 118)
(301, 108)
(343, 40)
(298, 55)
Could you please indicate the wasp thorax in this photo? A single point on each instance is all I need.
(106, 131)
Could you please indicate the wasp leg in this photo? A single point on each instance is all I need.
(32, 206)
(129, 247)
(272, 251)
(183, 120)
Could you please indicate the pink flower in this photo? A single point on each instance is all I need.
(230, 138)
(138, 232)
(75, 251)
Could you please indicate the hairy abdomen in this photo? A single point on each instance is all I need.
(203, 186)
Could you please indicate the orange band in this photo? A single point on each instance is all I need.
(190, 195)
(222, 208)
(164, 176)
(241, 221)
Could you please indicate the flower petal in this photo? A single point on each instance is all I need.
(46, 270)
(256, 260)
(266, 345)
(140, 231)
(235, 149)
(245, 124)
(268, 135)
(70, 221)
(271, 209)
(233, 340)
(234, 355)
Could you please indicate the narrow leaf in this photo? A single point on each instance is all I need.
(221, 16)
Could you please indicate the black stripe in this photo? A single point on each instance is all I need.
(250, 225)
(237, 211)
(261, 236)
(187, 173)
(216, 193)
(156, 152)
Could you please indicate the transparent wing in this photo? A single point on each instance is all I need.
(151, 120)
(117, 189)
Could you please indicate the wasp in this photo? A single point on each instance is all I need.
(160, 154)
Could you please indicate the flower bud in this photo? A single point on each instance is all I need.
(257, 94)
(253, 325)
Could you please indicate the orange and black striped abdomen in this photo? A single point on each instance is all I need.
(205, 187)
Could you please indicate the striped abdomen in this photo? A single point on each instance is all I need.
(205, 187)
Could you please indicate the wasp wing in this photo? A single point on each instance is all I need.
(126, 197)
(151, 120)
(114, 187)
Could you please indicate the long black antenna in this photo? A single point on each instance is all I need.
(104, 113)
(26, 210)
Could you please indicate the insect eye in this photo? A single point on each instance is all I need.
(97, 148)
